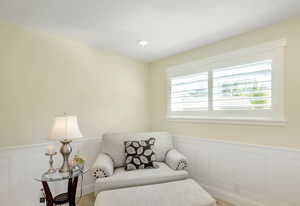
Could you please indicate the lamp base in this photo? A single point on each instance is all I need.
(65, 151)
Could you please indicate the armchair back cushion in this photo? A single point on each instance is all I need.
(113, 145)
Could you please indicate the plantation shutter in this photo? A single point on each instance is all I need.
(189, 92)
(243, 87)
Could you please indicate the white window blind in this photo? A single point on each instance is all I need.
(189, 92)
(243, 87)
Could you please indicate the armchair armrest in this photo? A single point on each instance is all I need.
(176, 160)
(103, 166)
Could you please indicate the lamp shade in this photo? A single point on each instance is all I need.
(65, 127)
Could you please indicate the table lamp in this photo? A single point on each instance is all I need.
(65, 129)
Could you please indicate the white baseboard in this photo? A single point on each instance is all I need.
(230, 197)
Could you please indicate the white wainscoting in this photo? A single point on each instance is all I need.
(247, 175)
(20, 165)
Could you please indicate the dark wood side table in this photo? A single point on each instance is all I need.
(68, 197)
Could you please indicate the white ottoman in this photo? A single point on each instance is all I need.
(180, 193)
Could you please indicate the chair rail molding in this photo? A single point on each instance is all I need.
(244, 174)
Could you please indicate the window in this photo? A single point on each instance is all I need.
(189, 93)
(240, 87)
(243, 87)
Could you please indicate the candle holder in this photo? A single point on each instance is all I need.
(51, 169)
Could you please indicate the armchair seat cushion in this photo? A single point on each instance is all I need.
(122, 178)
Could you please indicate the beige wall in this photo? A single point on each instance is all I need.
(42, 75)
(286, 136)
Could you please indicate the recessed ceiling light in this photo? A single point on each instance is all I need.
(143, 43)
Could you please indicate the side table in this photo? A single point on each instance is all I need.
(68, 197)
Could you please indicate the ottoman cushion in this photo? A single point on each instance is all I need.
(180, 193)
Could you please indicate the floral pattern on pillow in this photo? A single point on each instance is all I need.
(140, 154)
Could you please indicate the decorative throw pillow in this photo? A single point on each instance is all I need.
(139, 154)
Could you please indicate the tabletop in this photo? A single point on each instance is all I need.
(57, 176)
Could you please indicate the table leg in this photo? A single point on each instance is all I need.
(72, 186)
(49, 197)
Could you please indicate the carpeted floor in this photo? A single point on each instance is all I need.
(88, 200)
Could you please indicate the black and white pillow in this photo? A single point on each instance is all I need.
(140, 155)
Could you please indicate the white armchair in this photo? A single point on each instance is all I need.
(109, 171)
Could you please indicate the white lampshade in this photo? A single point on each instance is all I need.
(65, 127)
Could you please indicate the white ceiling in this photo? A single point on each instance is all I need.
(170, 26)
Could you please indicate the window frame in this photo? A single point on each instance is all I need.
(268, 51)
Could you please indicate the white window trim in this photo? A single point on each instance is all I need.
(272, 50)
